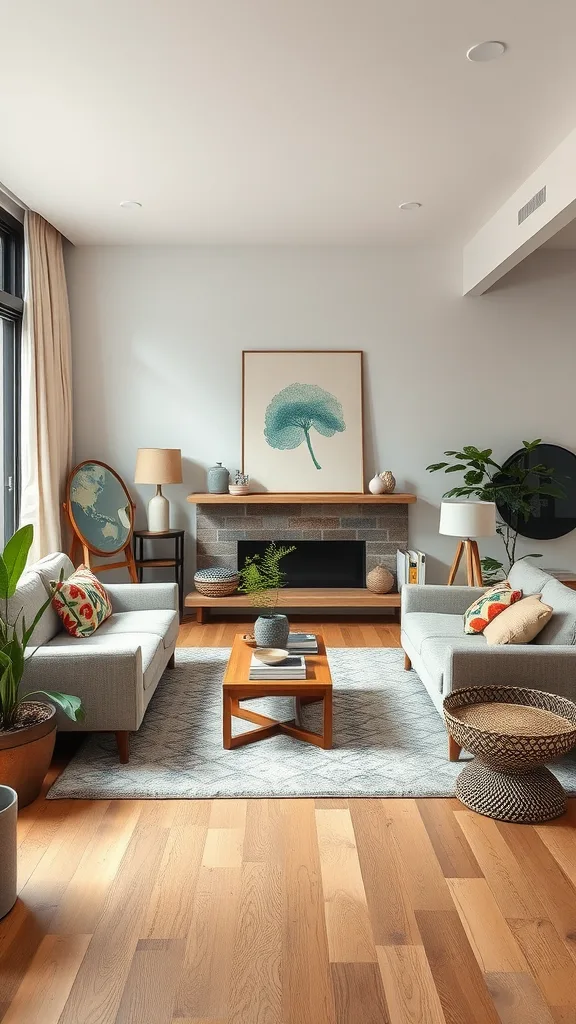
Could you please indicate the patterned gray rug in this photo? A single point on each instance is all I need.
(389, 740)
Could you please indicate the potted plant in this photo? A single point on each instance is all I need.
(27, 726)
(513, 486)
(261, 579)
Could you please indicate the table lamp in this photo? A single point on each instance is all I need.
(158, 466)
(467, 519)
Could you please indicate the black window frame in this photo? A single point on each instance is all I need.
(12, 311)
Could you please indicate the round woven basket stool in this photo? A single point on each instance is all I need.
(216, 582)
(511, 732)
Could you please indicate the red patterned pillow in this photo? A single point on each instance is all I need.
(487, 607)
(81, 602)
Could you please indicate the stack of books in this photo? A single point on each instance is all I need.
(293, 668)
(302, 643)
(410, 567)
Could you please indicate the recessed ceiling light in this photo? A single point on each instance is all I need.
(489, 50)
(410, 206)
(130, 204)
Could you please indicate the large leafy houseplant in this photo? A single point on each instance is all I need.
(261, 577)
(514, 486)
(15, 634)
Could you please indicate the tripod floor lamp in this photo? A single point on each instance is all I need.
(467, 520)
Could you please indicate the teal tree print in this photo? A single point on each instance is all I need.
(293, 412)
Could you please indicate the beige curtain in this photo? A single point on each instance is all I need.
(46, 409)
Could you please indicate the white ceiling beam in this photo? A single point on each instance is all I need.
(502, 242)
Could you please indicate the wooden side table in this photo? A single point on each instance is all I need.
(177, 562)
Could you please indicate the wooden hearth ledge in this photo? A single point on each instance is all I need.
(301, 598)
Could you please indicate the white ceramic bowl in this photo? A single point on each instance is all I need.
(270, 655)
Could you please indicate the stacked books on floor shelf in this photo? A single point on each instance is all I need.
(410, 567)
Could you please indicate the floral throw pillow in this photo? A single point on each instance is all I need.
(487, 607)
(81, 602)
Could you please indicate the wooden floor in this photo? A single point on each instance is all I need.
(289, 911)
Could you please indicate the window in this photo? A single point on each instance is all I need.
(11, 308)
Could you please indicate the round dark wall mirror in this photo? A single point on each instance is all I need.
(550, 517)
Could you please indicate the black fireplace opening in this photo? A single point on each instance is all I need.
(316, 563)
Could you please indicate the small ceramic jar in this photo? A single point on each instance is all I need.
(218, 478)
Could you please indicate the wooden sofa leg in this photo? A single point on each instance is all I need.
(172, 662)
(453, 748)
(407, 662)
(123, 741)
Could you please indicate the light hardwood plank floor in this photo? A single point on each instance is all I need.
(288, 911)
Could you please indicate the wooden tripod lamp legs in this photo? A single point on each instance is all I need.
(473, 567)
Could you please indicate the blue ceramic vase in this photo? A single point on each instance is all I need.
(218, 479)
(271, 631)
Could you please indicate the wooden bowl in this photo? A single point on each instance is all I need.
(270, 655)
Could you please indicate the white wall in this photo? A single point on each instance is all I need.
(158, 335)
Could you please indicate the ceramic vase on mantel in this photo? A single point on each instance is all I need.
(218, 479)
(271, 630)
(376, 485)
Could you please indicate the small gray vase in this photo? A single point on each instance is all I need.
(218, 479)
(271, 631)
(8, 816)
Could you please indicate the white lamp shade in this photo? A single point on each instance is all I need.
(468, 518)
(158, 466)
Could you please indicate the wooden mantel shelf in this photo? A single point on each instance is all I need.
(268, 498)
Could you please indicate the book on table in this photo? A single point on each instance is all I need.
(302, 643)
(294, 667)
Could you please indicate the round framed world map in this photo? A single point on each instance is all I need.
(100, 508)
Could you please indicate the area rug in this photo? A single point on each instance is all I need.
(389, 740)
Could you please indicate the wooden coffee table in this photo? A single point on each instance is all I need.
(237, 687)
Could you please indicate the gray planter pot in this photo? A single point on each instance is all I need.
(271, 630)
(8, 816)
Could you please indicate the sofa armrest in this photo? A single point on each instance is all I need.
(139, 597)
(109, 683)
(449, 600)
(540, 666)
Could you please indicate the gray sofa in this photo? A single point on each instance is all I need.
(116, 670)
(447, 659)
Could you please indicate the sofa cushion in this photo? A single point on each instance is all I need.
(50, 567)
(421, 626)
(492, 603)
(81, 602)
(519, 623)
(29, 597)
(528, 578)
(561, 629)
(162, 623)
(153, 652)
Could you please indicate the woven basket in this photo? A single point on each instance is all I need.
(217, 588)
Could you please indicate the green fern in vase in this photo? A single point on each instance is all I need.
(262, 578)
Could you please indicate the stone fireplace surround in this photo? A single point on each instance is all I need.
(384, 528)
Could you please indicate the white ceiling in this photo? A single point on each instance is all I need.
(278, 120)
(565, 239)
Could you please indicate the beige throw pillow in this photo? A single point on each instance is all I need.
(519, 623)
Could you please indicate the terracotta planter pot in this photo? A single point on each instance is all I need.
(25, 754)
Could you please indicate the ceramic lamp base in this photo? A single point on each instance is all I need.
(158, 513)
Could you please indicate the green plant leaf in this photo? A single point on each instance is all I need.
(70, 705)
(15, 555)
(474, 476)
(4, 580)
(455, 469)
(435, 466)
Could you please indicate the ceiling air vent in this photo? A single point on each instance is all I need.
(538, 200)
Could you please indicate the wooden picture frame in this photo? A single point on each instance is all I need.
(81, 542)
(303, 420)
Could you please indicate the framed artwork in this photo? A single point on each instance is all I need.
(302, 421)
